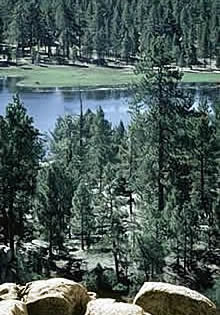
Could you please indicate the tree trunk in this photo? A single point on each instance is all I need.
(82, 230)
(152, 270)
(4, 223)
(178, 253)
(185, 249)
(22, 49)
(202, 183)
(130, 203)
(100, 180)
(11, 223)
(49, 50)
(160, 164)
(81, 127)
(191, 247)
(50, 241)
(115, 254)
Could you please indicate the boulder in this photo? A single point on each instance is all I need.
(9, 291)
(55, 296)
(160, 298)
(110, 307)
(12, 307)
(92, 295)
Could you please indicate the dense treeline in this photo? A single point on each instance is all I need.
(113, 28)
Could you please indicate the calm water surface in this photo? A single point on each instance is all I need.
(45, 106)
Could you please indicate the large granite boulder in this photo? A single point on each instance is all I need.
(9, 291)
(110, 307)
(160, 298)
(56, 296)
(12, 307)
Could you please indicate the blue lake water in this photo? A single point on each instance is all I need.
(45, 106)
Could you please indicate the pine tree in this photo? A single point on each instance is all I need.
(48, 27)
(216, 148)
(204, 168)
(100, 38)
(19, 166)
(127, 47)
(116, 34)
(204, 42)
(87, 41)
(158, 114)
(99, 151)
(117, 218)
(1, 29)
(83, 210)
(18, 30)
(163, 87)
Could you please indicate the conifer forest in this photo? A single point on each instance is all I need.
(145, 194)
(115, 28)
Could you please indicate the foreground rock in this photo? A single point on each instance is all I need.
(56, 296)
(110, 307)
(163, 298)
(9, 291)
(12, 307)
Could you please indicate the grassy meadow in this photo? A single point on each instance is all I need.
(93, 77)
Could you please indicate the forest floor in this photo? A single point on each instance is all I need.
(91, 77)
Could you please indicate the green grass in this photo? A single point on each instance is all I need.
(70, 76)
(64, 76)
(201, 77)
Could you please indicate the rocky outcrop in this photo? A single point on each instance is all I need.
(110, 307)
(9, 291)
(59, 296)
(163, 298)
(12, 307)
(55, 296)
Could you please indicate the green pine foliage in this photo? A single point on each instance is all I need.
(147, 194)
(103, 29)
(21, 151)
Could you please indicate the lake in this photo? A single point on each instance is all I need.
(46, 105)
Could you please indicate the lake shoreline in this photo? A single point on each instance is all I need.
(92, 78)
(66, 88)
(46, 105)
